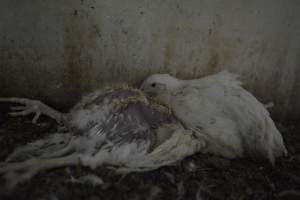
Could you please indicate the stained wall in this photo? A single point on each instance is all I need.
(58, 50)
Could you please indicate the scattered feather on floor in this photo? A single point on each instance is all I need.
(90, 179)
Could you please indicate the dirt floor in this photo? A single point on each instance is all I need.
(197, 177)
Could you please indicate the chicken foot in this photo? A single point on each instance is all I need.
(33, 106)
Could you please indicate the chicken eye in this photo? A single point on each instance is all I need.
(153, 84)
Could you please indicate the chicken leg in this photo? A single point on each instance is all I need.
(15, 173)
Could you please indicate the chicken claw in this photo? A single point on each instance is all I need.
(32, 106)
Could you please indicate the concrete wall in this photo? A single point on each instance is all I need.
(57, 50)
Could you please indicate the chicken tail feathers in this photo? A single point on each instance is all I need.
(275, 147)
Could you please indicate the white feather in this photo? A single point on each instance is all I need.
(217, 108)
(91, 179)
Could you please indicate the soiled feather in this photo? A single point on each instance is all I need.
(118, 127)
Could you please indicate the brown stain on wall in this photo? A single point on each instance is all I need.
(168, 54)
(213, 61)
(169, 50)
(221, 49)
(79, 43)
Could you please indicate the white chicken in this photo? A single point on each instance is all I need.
(124, 128)
(118, 127)
(231, 120)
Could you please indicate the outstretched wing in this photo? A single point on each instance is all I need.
(122, 121)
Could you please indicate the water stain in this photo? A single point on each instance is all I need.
(213, 61)
(168, 54)
(221, 49)
(170, 45)
(80, 35)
